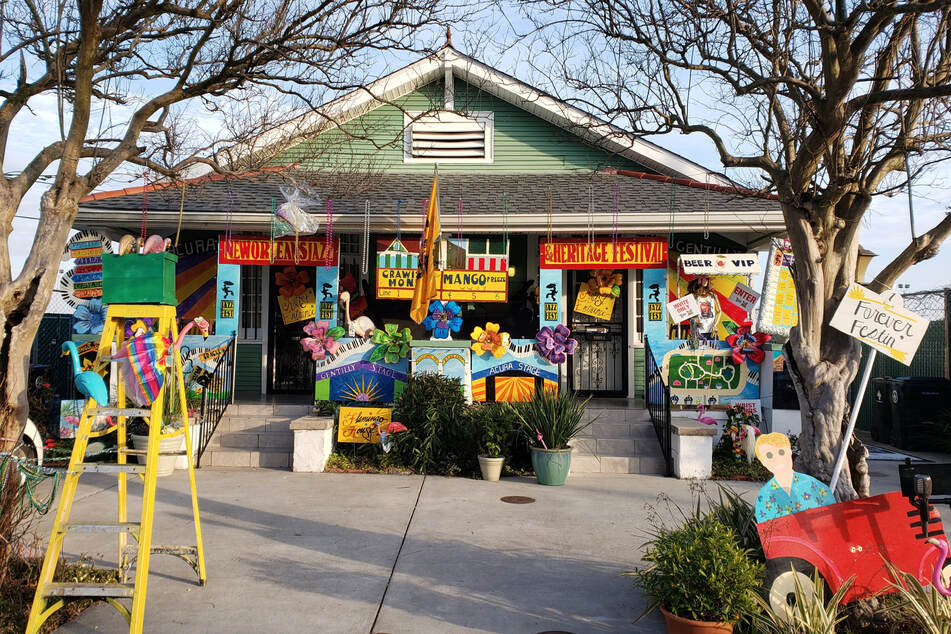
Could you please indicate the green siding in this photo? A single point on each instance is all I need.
(523, 142)
(248, 368)
(637, 367)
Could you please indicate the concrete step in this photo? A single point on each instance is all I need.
(616, 415)
(644, 465)
(621, 440)
(236, 457)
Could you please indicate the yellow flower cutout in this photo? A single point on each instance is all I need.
(490, 340)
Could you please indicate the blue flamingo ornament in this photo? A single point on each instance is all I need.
(88, 382)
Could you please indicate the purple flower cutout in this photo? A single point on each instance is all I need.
(442, 318)
(555, 345)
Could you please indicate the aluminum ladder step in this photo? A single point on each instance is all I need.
(102, 590)
(98, 467)
(120, 411)
(143, 452)
(101, 527)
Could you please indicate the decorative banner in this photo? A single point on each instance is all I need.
(630, 253)
(302, 251)
(515, 376)
(683, 308)
(350, 376)
(744, 296)
(452, 285)
(868, 317)
(654, 295)
(362, 424)
(726, 264)
(228, 293)
(600, 306)
(779, 309)
(298, 307)
(549, 297)
(328, 278)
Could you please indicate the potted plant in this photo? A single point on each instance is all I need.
(699, 577)
(171, 441)
(550, 420)
(492, 428)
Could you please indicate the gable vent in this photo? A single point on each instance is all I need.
(450, 137)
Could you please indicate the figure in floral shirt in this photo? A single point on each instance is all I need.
(788, 491)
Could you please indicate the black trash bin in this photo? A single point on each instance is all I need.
(917, 403)
(882, 410)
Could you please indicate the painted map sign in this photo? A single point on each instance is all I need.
(578, 253)
(683, 308)
(599, 306)
(706, 375)
(744, 296)
(868, 317)
(362, 424)
(302, 251)
(725, 264)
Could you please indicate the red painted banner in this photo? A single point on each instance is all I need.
(625, 253)
(303, 251)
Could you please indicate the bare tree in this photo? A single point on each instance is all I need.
(136, 82)
(827, 102)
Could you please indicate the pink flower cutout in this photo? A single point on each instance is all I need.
(322, 340)
(747, 344)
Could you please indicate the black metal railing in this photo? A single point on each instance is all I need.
(216, 395)
(657, 399)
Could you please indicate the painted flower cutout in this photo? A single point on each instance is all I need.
(291, 282)
(322, 340)
(554, 345)
(490, 340)
(133, 326)
(90, 318)
(747, 344)
(392, 343)
(605, 282)
(443, 318)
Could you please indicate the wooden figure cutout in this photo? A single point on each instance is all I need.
(788, 491)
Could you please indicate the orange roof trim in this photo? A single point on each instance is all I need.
(128, 191)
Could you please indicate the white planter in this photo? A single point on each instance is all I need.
(491, 468)
(166, 464)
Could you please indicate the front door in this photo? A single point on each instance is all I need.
(290, 369)
(599, 365)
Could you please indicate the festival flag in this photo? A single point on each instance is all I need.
(427, 275)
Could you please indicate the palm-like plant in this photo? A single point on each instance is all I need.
(552, 418)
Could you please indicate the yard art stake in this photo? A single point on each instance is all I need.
(883, 324)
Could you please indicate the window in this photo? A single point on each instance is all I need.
(448, 137)
(252, 290)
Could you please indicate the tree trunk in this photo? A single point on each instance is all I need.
(23, 303)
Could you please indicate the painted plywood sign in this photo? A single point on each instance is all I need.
(779, 308)
(362, 424)
(640, 253)
(600, 306)
(723, 264)
(350, 376)
(683, 308)
(302, 251)
(298, 307)
(514, 376)
(744, 296)
(870, 318)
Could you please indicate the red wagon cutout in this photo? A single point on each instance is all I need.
(850, 539)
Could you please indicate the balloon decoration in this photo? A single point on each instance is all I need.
(747, 344)
(443, 318)
(490, 340)
(605, 282)
(392, 344)
(322, 340)
(555, 344)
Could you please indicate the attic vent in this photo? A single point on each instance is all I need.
(449, 137)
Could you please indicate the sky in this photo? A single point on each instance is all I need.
(885, 230)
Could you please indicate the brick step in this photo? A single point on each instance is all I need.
(235, 457)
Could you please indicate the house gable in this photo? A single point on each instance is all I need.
(521, 141)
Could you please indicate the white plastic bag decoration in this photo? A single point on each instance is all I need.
(291, 218)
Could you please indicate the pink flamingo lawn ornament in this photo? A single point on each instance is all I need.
(939, 566)
(199, 321)
(156, 244)
(394, 427)
(706, 420)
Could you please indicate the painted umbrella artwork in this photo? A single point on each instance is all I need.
(747, 344)
(555, 344)
(443, 318)
(322, 340)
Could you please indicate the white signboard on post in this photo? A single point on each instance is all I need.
(744, 296)
(871, 319)
(725, 264)
(683, 308)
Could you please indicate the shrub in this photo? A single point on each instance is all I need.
(438, 438)
(736, 513)
(699, 571)
(557, 416)
(493, 428)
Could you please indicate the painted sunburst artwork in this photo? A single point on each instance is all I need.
(367, 390)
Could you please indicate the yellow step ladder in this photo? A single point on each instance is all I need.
(50, 596)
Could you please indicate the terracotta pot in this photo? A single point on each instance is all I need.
(680, 625)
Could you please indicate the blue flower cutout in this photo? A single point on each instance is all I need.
(442, 318)
(90, 318)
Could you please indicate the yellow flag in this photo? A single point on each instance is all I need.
(427, 276)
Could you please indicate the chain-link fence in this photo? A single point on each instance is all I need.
(931, 305)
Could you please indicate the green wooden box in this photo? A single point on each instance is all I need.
(137, 278)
